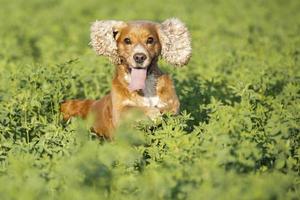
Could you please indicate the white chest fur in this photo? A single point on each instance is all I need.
(150, 98)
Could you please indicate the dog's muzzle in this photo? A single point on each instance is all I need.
(139, 57)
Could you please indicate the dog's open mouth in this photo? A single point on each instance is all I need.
(138, 78)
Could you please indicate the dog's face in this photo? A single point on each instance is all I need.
(138, 44)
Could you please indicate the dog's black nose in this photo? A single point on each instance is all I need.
(139, 57)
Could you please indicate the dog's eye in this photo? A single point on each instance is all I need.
(150, 40)
(127, 41)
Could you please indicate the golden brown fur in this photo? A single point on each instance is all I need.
(134, 45)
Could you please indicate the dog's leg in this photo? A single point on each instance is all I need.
(167, 94)
(101, 110)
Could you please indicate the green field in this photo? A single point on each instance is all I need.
(238, 134)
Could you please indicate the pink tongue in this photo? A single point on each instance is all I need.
(138, 78)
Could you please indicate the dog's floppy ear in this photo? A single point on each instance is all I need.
(176, 42)
(103, 38)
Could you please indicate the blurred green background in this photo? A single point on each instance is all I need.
(236, 138)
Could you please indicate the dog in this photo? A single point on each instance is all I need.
(134, 47)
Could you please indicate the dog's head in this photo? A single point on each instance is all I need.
(139, 43)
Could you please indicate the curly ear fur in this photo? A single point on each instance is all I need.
(103, 38)
(176, 42)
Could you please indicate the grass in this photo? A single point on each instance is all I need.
(236, 138)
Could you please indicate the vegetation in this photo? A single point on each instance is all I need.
(236, 138)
